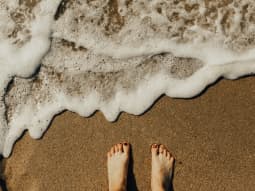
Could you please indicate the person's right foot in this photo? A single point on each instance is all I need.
(162, 168)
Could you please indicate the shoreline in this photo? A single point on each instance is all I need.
(210, 135)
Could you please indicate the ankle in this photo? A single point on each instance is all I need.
(159, 189)
(156, 187)
(122, 188)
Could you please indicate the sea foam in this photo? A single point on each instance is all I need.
(114, 56)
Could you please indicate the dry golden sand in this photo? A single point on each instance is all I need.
(212, 137)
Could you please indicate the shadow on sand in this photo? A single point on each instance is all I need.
(2, 178)
(131, 182)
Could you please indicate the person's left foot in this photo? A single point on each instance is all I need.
(117, 166)
(161, 168)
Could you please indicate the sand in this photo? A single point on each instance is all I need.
(211, 136)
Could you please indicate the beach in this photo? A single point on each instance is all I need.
(77, 77)
(211, 137)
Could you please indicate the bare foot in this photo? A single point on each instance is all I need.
(162, 168)
(117, 166)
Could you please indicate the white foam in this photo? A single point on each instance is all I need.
(22, 61)
(131, 46)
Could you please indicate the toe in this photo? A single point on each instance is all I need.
(112, 150)
(172, 160)
(168, 155)
(126, 147)
(154, 149)
(109, 154)
(161, 149)
(116, 148)
(164, 152)
(120, 147)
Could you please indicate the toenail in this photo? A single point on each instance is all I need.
(125, 144)
(154, 145)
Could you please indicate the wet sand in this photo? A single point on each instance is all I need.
(211, 136)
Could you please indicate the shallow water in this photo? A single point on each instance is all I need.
(113, 56)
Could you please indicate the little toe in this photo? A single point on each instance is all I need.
(171, 159)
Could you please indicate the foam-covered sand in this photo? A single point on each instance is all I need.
(114, 56)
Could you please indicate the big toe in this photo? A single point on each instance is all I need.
(126, 147)
(154, 149)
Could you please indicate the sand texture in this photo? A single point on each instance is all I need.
(212, 137)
